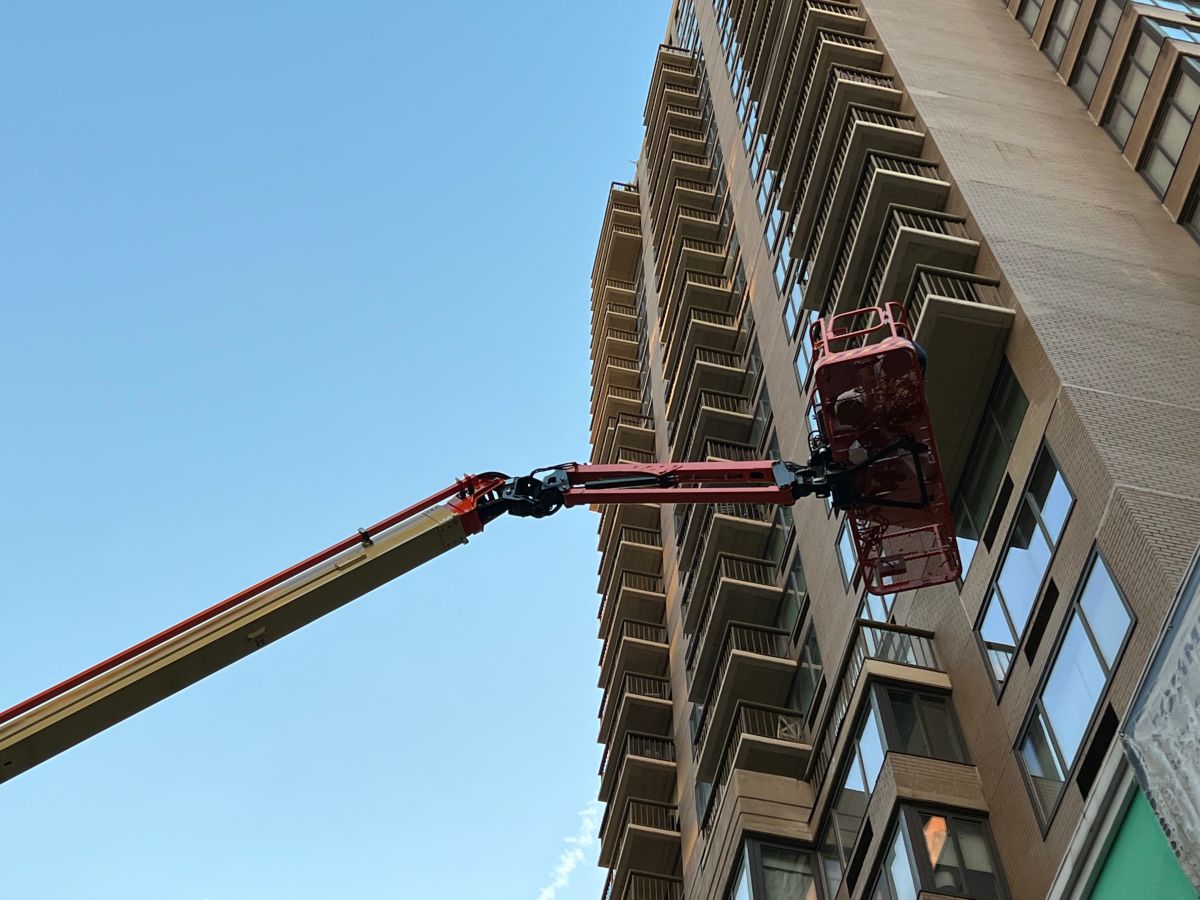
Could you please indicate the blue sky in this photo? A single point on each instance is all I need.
(270, 273)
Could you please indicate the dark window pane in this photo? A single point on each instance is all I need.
(787, 874)
(979, 871)
(908, 728)
(939, 729)
(939, 850)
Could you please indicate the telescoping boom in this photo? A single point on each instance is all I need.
(873, 458)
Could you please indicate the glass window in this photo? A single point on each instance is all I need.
(939, 852)
(847, 554)
(1060, 29)
(1131, 86)
(1029, 12)
(1172, 127)
(794, 598)
(773, 872)
(1077, 678)
(1036, 530)
(1096, 44)
(877, 609)
(990, 452)
(809, 675)
(921, 725)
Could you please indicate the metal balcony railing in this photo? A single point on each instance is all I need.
(627, 534)
(702, 357)
(696, 318)
(875, 163)
(836, 74)
(939, 283)
(728, 403)
(645, 746)
(857, 115)
(634, 630)
(708, 513)
(872, 640)
(745, 638)
(733, 568)
(932, 222)
(636, 685)
(643, 886)
(751, 719)
(637, 581)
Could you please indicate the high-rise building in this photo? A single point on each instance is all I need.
(1024, 182)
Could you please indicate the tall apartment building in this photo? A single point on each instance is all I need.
(1024, 181)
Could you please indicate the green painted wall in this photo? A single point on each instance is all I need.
(1140, 862)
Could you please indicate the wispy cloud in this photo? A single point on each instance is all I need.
(572, 856)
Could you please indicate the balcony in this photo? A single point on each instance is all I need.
(879, 650)
(643, 886)
(678, 108)
(672, 68)
(717, 416)
(640, 703)
(614, 372)
(642, 766)
(713, 530)
(867, 133)
(612, 316)
(618, 516)
(681, 194)
(690, 291)
(845, 87)
(624, 430)
(886, 181)
(763, 739)
(610, 290)
(612, 403)
(618, 342)
(630, 548)
(707, 370)
(700, 328)
(832, 49)
(646, 839)
(637, 647)
(915, 238)
(959, 320)
(633, 595)
(753, 666)
(741, 588)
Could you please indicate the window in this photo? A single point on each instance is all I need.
(847, 553)
(773, 872)
(877, 609)
(919, 724)
(805, 694)
(1028, 14)
(804, 352)
(1060, 29)
(940, 852)
(1098, 624)
(1191, 213)
(1172, 127)
(1036, 530)
(1131, 86)
(858, 782)
(1096, 44)
(794, 600)
(989, 456)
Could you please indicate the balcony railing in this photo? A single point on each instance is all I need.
(645, 746)
(872, 640)
(728, 403)
(932, 222)
(634, 630)
(635, 581)
(732, 568)
(643, 886)
(745, 639)
(702, 357)
(936, 283)
(759, 721)
(708, 513)
(639, 686)
(605, 443)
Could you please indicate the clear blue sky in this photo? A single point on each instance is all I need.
(270, 272)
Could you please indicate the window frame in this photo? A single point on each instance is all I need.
(992, 591)
(1181, 71)
(908, 817)
(1053, 29)
(1046, 818)
(1128, 61)
(1081, 61)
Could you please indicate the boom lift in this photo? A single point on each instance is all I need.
(873, 458)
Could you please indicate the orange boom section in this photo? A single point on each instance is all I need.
(870, 392)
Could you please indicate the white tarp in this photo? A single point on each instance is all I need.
(1162, 730)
